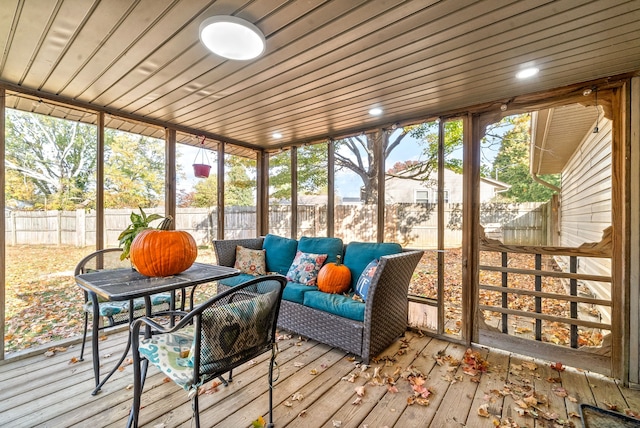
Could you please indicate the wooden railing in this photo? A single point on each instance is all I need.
(601, 249)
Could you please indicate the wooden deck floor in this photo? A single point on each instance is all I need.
(316, 388)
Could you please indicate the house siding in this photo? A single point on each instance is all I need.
(586, 202)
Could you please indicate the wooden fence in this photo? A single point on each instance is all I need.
(412, 225)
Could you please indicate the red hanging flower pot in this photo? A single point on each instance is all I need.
(202, 169)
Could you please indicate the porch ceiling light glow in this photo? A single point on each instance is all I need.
(527, 72)
(232, 37)
(277, 135)
(376, 111)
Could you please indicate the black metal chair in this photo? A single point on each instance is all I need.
(108, 314)
(211, 340)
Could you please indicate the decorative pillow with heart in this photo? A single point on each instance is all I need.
(250, 261)
(305, 268)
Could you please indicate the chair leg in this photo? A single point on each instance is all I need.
(271, 363)
(84, 335)
(95, 356)
(196, 409)
(139, 376)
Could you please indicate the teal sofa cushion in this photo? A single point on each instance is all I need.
(332, 247)
(294, 291)
(336, 304)
(358, 255)
(280, 253)
(236, 280)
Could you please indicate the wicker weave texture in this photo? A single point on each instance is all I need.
(225, 250)
(386, 309)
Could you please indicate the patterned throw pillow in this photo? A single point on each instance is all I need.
(362, 287)
(250, 261)
(305, 268)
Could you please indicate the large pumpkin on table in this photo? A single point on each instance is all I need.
(334, 278)
(160, 252)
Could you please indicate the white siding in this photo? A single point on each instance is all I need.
(586, 200)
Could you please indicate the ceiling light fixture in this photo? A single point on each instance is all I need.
(232, 37)
(376, 111)
(527, 72)
(276, 135)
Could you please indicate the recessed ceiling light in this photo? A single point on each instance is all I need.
(232, 37)
(376, 111)
(276, 135)
(527, 72)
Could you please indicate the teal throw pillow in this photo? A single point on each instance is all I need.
(362, 286)
(332, 247)
(280, 253)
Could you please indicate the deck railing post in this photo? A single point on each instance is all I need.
(573, 290)
(505, 297)
(538, 300)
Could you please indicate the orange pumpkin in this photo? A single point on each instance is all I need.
(162, 252)
(334, 278)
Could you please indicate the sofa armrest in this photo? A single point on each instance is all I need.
(225, 249)
(386, 313)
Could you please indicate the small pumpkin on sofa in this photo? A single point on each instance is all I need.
(334, 278)
(162, 251)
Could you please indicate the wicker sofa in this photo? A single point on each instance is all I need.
(385, 306)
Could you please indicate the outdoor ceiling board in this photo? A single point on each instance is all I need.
(558, 133)
(327, 61)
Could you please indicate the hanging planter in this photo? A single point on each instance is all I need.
(201, 169)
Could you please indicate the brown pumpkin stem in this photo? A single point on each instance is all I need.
(338, 260)
(166, 223)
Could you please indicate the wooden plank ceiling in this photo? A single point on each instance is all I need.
(327, 61)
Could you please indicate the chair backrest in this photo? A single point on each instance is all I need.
(237, 325)
(108, 258)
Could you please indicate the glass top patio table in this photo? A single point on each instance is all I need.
(128, 284)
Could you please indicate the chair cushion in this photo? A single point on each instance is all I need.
(165, 352)
(337, 304)
(332, 247)
(112, 308)
(232, 331)
(250, 261)
(280, 253)
(362, 286)
(358, 255)
(305, 267)
(294, 292)
(236, 280)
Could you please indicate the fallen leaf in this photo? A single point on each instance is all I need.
(360, 391)
(49, 354)
(297, 396)
(483, 411)
(337, 424)
(258, 423)
(303, 413)
(313, 371)
(557, 367)
(73, 360)
(357, 401)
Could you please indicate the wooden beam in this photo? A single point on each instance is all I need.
(331, 188)
(3, 283)
(100, 232)
(220, 217)
(294, 192)
(170, 174)
(262, 199)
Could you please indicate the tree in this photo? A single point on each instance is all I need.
(312, 172)
(357, 154)
(512, 162)
(239, 188)
(134, 170)
(55, 158)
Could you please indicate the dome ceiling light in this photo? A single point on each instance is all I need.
(232, 37)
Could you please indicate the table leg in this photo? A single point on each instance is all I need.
(99, 384)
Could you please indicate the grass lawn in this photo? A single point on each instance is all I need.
(43, 302)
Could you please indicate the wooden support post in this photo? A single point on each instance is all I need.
(170, 193)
